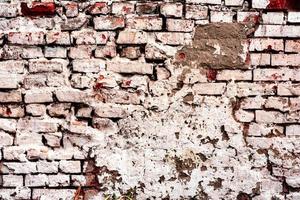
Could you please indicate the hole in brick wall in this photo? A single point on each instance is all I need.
(284, 5)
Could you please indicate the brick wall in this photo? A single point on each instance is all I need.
(190, 99)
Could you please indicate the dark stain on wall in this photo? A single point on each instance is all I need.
(38, 9)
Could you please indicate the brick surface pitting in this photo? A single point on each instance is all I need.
(177, 99)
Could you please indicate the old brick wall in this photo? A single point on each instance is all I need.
(177, 99)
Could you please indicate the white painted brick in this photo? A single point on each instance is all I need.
(70, 166)
(12, 180)
(196, 12)
(292, 46)
(130, 67)
(261, 44)
(171, 9)
(273, 18)
(180, 25)
(260, 3)
(293, 130)
(217, 16)
(294, 17)
(205, 1)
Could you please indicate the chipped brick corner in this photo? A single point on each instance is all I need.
(194, 99)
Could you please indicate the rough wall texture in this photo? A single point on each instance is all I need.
(190, 99)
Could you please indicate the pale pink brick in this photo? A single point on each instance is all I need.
(109, 51)
(209, 88)
(12, 180)
(286, 59)
(261, 44)
(122, 8)
(12, 66)
(293, 130)
(83, 37)
(55, 52)
(37, 125)
(173, 38)
(36, 180)
(287, 89)
(144, 23)
(234, 75)
(180, 25)
(253, 102)
(273, 18)
(292, 46)
(262, 116)
(130, 67)
(282, 74)
(53, 194)
(171, 9)
(109, 22)
(196, 12)
(277, 31)
(258, 59)
(38, 96)
(70, 166)
(81, 51)
(132, 37)
(57, 37)
(278, 103)
(18, 168)
(59, 180)
(253, 89)
(256, 129)
(244, 116)
(26, 38)
(99, 8)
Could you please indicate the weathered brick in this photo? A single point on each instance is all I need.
(56, 37)
(225, 17)
(209, 88)
(18, 168)
(130, 67)
(204, 1)
(293, 130)
(89, 37)
(99, 8)
(12, 66)
(273, 18)
(26, 38)
(196, 12)
(53, 194)
(253, 89)
(81, 51)
(262, 116)
(234, 2)
(32, 52)
(131, 52)
(36, 110)
(261, 44)
(109, 51)
(37, 125)
(72, 95)
(173, 38)
(6, 139)
(180, 25)
(264, 130)
(147, 8)
(171, 9)
(132, 37)
(12, 111)
(12, 180)
(55, 52)
(293, 17)
(10, 81)
(59, 180)
(59, 109)
(36, 180)
(109, 22)
(287, 89)
(8, 10)
(282, 74)
(260, 3)
(88, 65)
(74, 23)
(38, 96)
(82, 81)
(286, 59)
(70, 166)
(43, 65)
(10, 97)
(244, 116)
(257, 59)
(292, 46)
(122, 8)
(71, 9)
(53, 139)
(278, 103)
(277, 31)
(144, 23)
(234, 75)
